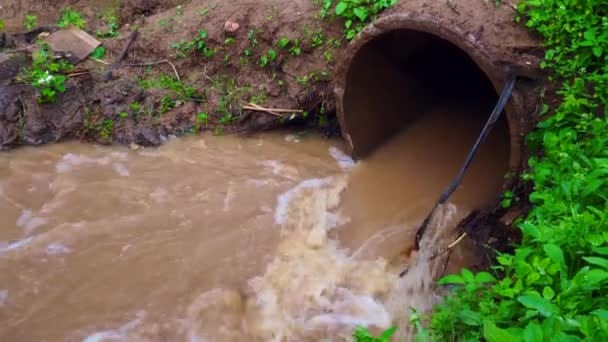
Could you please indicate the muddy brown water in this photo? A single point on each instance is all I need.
(272, 238)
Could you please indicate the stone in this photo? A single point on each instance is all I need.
(230, 27)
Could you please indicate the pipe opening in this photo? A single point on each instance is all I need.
(403, 75)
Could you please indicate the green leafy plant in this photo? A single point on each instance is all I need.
(361, 334)
(329, 57)
(30, 21)
(179, 10)
(46, 74)
(296, 48)
(229, 41)
(69, 17)
(99, 52)
(107, 127)
(283, 42)
(123, 115)
(356, 13)
(253, 43)
(269, 57)
(1, 25)
(202, 120)
(554, 285)
(113, 27)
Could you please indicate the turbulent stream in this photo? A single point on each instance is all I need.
(276, 237)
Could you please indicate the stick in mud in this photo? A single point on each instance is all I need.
(123, 54)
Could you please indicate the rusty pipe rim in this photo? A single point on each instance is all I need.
(453, 34)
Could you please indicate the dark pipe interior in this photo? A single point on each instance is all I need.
(402, 75)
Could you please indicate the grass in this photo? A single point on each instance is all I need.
(554, 285)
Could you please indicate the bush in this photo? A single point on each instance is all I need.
(554, 286)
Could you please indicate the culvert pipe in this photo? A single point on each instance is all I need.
(406, 63)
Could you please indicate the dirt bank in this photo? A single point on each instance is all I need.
(142, 110)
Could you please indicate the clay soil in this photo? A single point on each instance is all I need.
(225, 82)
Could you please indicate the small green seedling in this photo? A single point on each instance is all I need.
(30, 21)
(69, 17)
(269, 57)
(296, 48)
(99, 52)
(202, 120)
(283, 42)
(361, 334)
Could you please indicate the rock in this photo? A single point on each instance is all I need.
(146, 136)
(230, 28)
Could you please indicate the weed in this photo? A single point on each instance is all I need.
(69, 17)
(273, 13)
(296, 48)
(168, 25)
(253, 42)
(334, 42)
(259, 98)
(1, 24)
(30, 21)
(182, 48)
(203, 12)
(356, 13)
(269, 57)
(45, 74)
(508, 198)
(179, 11)
(99, 52)
(112, 21)
(317, 37)
(329, 57)
(179, 88)
(123, 115)
(361, 334)
(166, 104)
(283, 42)
(554, 285)
(107, 127)
(202, 120)
(229, 41)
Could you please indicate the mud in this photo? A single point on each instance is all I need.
(480, 27)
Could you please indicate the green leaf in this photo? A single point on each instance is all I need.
(451, 279)
(595, 277)
(283, 42)
(533, 333)
(600, 250)
(548, 293)
(601, 313)
(556, 254)
(467, 275)
(1, 24)
(597, 51)
(341, 7)
(99, 52)
(361, 13)
(272, 55)
(535, 301)
(492, 333)
(386, 335)
(597, 261)
(484, 277)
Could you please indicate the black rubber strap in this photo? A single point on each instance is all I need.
(500, 106)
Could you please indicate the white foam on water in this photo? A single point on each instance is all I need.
(121, 334)
(29, 222)
(313, 288)
(344, 161)
(57, 248)
(15, 245)
(71, 160)
(280, 215)
(121, 169)
(3, 297)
